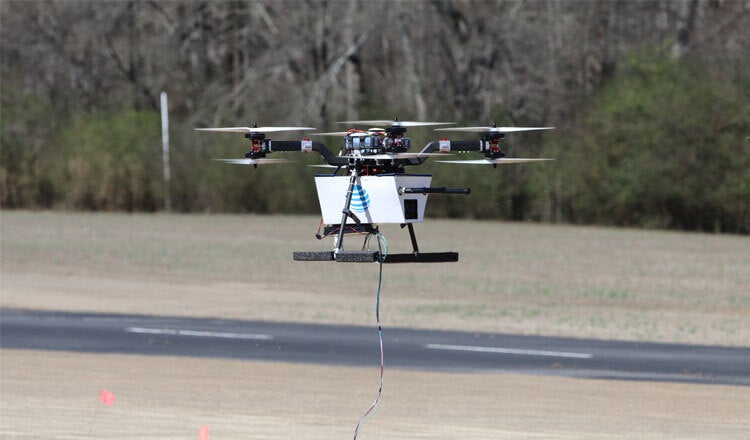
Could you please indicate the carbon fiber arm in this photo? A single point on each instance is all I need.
(318, 147)
(459, 146)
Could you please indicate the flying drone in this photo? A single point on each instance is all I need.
(374, 187)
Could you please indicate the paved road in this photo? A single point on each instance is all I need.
(350, 345)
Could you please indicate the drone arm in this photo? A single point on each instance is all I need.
(446, 146)
(318, 147)
(463, 146)
(328, 156)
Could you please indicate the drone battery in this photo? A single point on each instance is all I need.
(375, 199)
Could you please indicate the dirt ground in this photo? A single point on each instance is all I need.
(583, 282)
(51, 395)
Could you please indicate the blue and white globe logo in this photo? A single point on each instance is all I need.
(360, 199)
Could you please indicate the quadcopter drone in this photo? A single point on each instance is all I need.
(374, 187)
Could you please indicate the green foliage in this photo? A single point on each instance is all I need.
(108, 162)
(663, 145)
(27, 123)
(202, 184)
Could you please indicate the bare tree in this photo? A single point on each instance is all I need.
(321, 60)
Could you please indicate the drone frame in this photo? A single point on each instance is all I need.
(391, 160)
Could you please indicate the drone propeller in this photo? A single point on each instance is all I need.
(394, 123)
(499, 161)
(255, 129)
(343, 133)
(395, 156)
(255, 162)
(331, 133)
(494, 129)
(353, 132)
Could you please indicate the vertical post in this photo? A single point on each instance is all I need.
(413, 239)
(165, 150)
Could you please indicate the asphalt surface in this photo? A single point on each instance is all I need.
(358, 346)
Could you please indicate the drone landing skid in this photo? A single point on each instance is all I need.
(368, 256)
(373, 256)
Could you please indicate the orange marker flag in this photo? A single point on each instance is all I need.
(203, 433)
(107, 397)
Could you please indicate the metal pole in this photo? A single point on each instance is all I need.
(165, 150)
(346, 212)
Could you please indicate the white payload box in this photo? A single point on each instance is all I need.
(375, 199)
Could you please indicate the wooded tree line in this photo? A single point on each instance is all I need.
(650, 100)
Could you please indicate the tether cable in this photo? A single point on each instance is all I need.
(382, 244)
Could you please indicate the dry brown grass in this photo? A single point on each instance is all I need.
(591, 282)
(48, 395)
(512, 277)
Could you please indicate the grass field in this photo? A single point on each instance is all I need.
(521, 278)
(512, 277)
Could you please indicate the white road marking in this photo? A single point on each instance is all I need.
(501, 350)
(197, 333)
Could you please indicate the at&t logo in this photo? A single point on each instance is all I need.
(360, 199)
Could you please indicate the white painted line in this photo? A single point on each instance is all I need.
(151, 331)
(501, 350)
(197, 333)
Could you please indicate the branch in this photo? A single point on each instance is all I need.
(322, 85)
